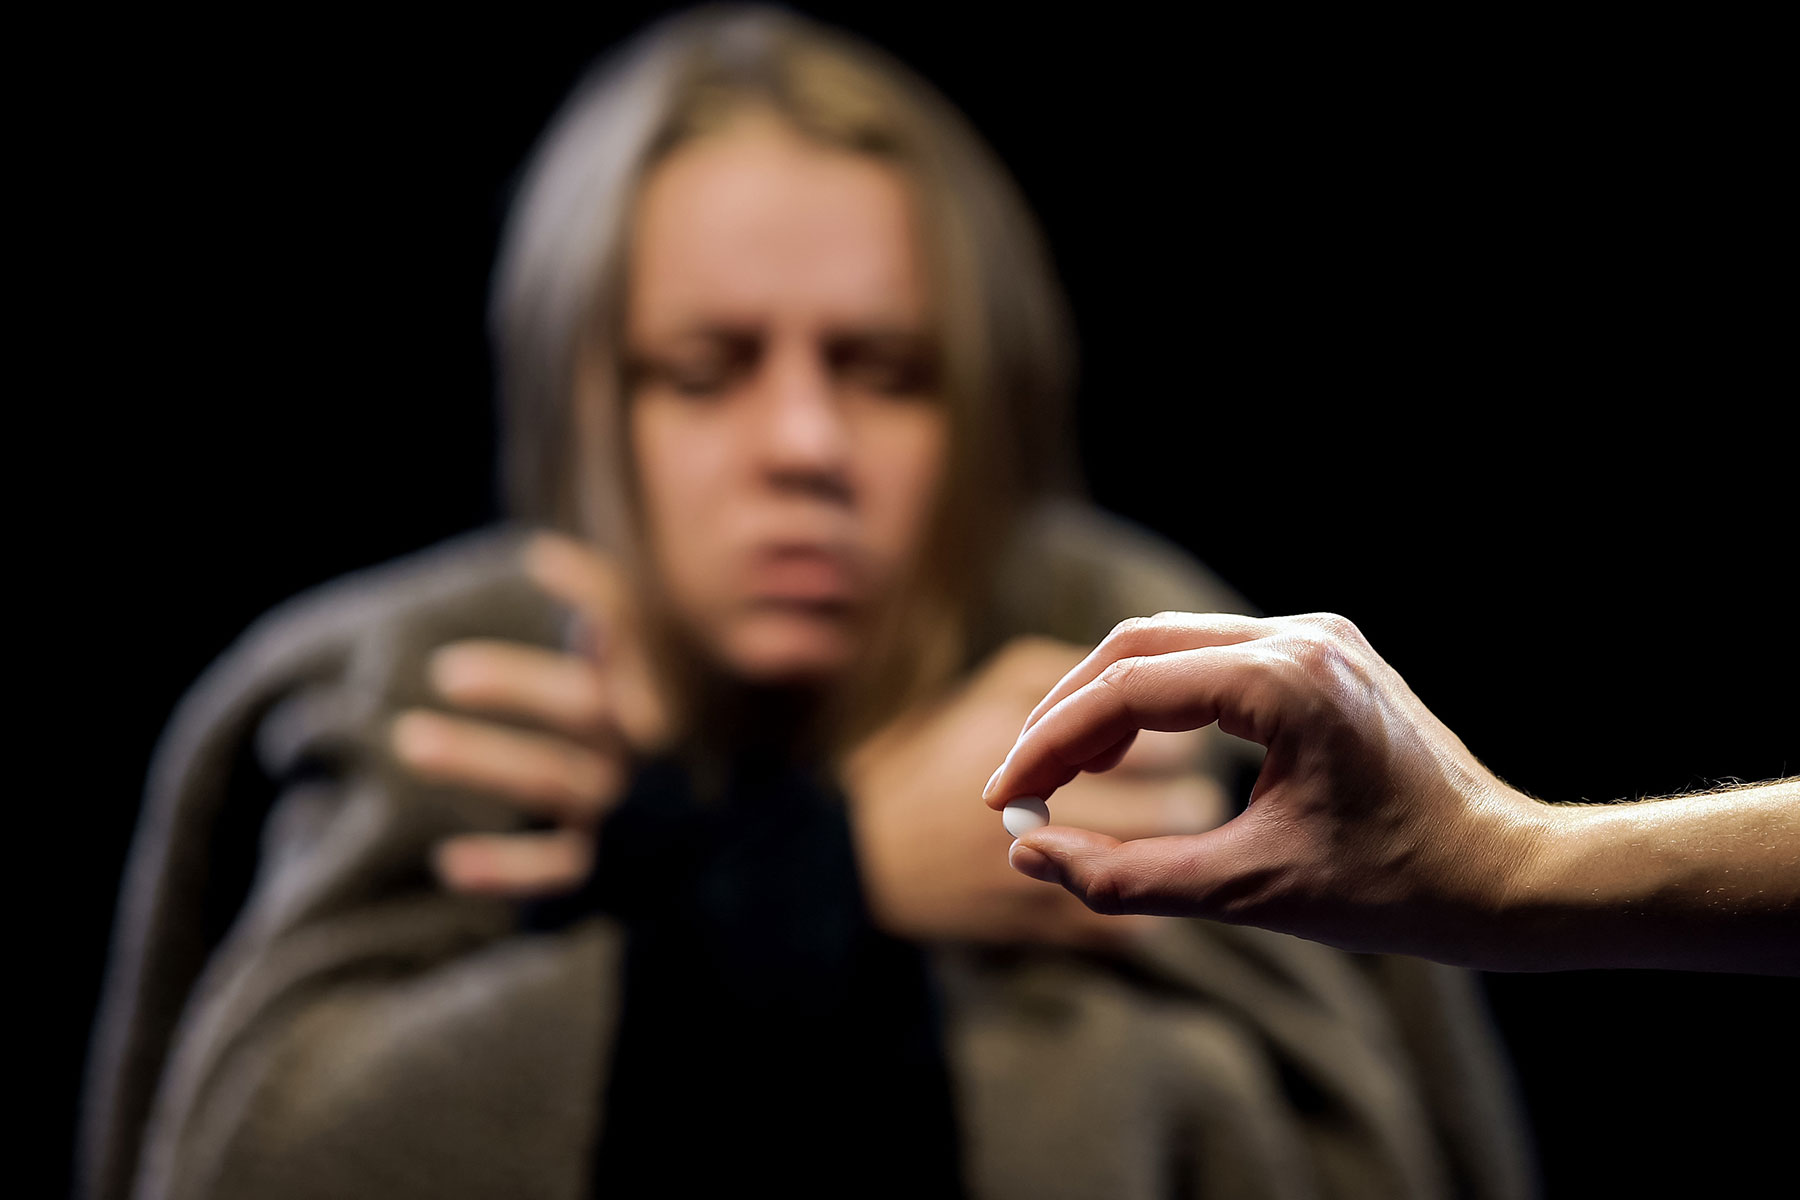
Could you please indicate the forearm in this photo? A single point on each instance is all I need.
(1706, 882)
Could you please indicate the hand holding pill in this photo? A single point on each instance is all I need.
(1344, 737)
(1372, 827)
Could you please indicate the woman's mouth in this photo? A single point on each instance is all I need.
(803, 575)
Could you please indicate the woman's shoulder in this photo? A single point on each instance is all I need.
(1073, 570)
(471, 569)
(470, 585)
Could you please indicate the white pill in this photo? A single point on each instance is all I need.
(1024, 815)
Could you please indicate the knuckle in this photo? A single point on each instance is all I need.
(1134, 635)
(1107, 891)
(1127, 632)
(1118, 675)
(1338, 628)
(1319, 656)
(1329, 679)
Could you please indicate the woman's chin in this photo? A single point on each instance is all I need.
(781, 650)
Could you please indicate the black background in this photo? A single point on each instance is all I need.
(1480, 335)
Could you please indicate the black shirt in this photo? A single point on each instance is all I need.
(770, 1037)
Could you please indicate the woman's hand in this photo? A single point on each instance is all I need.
(933, 862)
(595, 709)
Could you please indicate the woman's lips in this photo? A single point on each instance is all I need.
(803, 575)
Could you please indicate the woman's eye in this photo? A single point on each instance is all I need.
(889, 372)
(695, 377)
(702, 368)
(701, 379)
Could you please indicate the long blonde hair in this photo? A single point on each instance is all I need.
(1004, 332)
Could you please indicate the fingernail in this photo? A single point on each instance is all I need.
(416, 736)
(1032, 864)
(448, 670)
(1001, 770)
(457, 866)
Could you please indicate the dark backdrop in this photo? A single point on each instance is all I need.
(1470, 334)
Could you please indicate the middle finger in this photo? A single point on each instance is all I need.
(1142, 636)
(540, 773)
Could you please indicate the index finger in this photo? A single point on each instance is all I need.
(597, 589)
(1136, 637)
(582, 579)
(1183, 690)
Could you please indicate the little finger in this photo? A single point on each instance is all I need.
(516, 865)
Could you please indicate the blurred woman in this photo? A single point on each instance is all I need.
(785, 374)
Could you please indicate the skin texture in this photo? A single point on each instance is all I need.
(1372, 827)
(789, 444)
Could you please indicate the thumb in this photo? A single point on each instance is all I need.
(1184, 876)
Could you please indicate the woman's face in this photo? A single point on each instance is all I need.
(784, 409)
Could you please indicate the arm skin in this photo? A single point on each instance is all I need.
(1703, 882)
(1372, 827)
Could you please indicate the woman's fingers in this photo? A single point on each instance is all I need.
(1164, 752)
(1155, 790)
(1131, 808)
(514, 865)
(588, 582)
(561, 690)
(585, 581)
(1137, 637)
(542, 774)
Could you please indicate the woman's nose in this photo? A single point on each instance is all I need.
(802, 434)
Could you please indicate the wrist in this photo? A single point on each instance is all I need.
(1538, 912)
(1591, 892)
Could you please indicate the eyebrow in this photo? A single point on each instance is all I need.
(721, 331)
(732, 331)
